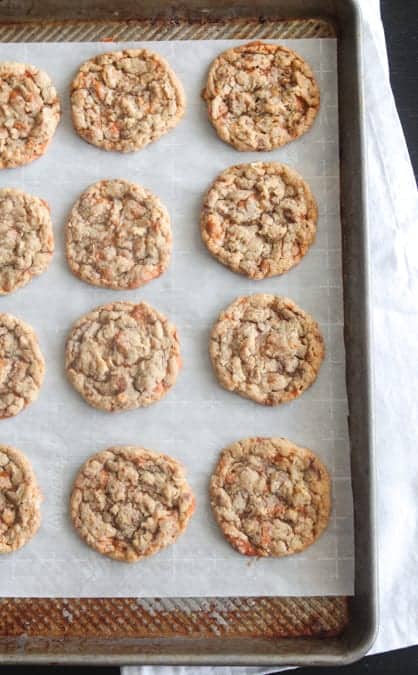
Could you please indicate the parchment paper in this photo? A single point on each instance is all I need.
(198, 418)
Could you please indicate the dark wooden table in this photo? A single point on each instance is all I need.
(400, 19)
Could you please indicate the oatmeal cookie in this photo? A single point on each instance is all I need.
(259, 219)
(20, 500)
(122, 356)
(266, 348)
(261, 96)
(22, 365)
(29, 113)
(270, 497)
(128, 502)
(125, 100)
(26, 238)
(118, 235)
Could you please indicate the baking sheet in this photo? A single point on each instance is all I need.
(198, 418)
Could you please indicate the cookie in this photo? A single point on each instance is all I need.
(270, 497)
(266, 348)
(125, 100)
(122, 356)
(128, 502)
(26, 238)
(20, 500)
(261, 96)
(22, 366)
(29, 113)
(259, 219)
(118, 235)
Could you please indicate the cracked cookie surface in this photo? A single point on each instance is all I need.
(261, 96)
(124, 100)
(266, 348)
(122, 356)
(128, 502)
(22, 366)
(29, 113)
(20, 500)
(118, 235)
(27, 241)
(270, 497)
(259, 219)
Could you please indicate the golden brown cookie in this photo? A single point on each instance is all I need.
(129, 502)
(266, 348)
(122, 356)
(270, 497)
(22, 366)
(29, 113)
(261, 96)
(259, 219)
(20, 500)
(26, 238)
(118, 235)
(125, 100)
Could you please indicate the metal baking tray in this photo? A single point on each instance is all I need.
(234, 631)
